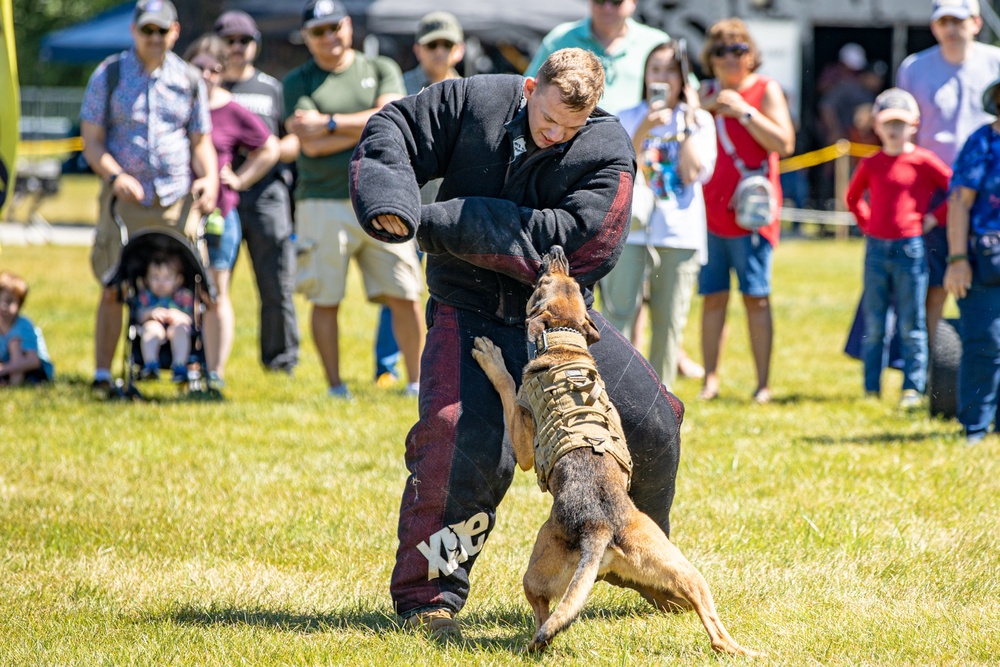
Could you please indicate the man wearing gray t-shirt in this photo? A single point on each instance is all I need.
(948, 81)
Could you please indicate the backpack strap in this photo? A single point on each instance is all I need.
(112, 74)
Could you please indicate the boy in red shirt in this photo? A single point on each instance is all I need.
(901, 180)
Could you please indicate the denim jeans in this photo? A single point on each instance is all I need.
(895, 273)
(979, 370)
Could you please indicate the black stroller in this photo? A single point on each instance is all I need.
(128, 277)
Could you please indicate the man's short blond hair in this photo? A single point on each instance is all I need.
(577, 74)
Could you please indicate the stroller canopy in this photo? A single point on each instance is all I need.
(146, 243)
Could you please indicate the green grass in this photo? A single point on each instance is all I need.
(261, 531)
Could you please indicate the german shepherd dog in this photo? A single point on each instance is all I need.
(594, 528)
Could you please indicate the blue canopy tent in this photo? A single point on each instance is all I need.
(90, 41)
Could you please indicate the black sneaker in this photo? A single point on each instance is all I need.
(105, 390)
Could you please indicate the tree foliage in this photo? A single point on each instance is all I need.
(33, 19)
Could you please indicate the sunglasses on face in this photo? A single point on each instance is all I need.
(616, 3)
(150, 30)
(722, 50)
(321, 30)
(239, 39)
(439, 44)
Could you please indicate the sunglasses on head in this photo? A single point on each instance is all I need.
(439, 44)
(739, 49)
(321, 30)
(239, 39)
(616, 3)
(150, 30)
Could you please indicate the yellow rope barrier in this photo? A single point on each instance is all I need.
(49, 147)
(794, 163)
(821, 155)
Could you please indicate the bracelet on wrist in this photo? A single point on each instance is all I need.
(952, 259)
(112, 177)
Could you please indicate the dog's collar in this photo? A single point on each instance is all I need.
(559, 336)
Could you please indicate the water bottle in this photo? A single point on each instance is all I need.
(214, 226)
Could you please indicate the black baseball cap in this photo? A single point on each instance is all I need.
(236, 22)
(322, 12)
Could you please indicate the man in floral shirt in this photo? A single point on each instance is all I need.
(146, 128)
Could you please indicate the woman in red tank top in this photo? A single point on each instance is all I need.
(754, 124)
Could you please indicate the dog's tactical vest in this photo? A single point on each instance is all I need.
(571, 410)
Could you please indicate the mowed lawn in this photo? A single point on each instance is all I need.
(833, 530)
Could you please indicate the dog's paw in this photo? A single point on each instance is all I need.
(488, 355)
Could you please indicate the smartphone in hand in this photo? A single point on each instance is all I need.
(658, 92)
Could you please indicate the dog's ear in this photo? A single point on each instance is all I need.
(590, 331)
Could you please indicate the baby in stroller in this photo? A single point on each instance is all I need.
(165, 313)
(166, 290)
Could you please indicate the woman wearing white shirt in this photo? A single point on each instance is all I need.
(675, 149)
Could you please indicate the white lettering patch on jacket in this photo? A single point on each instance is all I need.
(446, 549)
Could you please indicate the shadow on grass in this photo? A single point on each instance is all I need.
(485, 631)
(885, 438)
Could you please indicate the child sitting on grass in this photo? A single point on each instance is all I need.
(23, 355)
(166, 312)
(901, 180)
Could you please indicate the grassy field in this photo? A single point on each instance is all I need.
(261, 530)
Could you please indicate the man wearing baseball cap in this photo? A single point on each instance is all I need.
(145, 153)
(265, 209)
(328, 101)
(901, 180)
(948, 81)
(439, 46)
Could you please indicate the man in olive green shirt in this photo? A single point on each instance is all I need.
(330, 99)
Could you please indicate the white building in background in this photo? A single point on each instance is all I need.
(799, 37)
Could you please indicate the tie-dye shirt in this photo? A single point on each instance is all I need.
(151, 118)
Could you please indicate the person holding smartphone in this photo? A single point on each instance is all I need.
(674, 141)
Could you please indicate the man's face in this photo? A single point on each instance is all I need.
(608, 14)
(949, 30)
(152, 42)
(330, 42)
(550, 121)
(438, 57)
(241, 49)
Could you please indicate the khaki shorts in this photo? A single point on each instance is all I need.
(328, 235)
(107, 242)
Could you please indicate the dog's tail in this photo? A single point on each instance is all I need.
(593, 546)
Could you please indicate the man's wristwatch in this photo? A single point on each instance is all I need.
(331, 125)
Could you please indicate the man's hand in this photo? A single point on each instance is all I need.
(308, 124)
(391, 224)
(958, 278)
(127, 188)
(205, 193)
